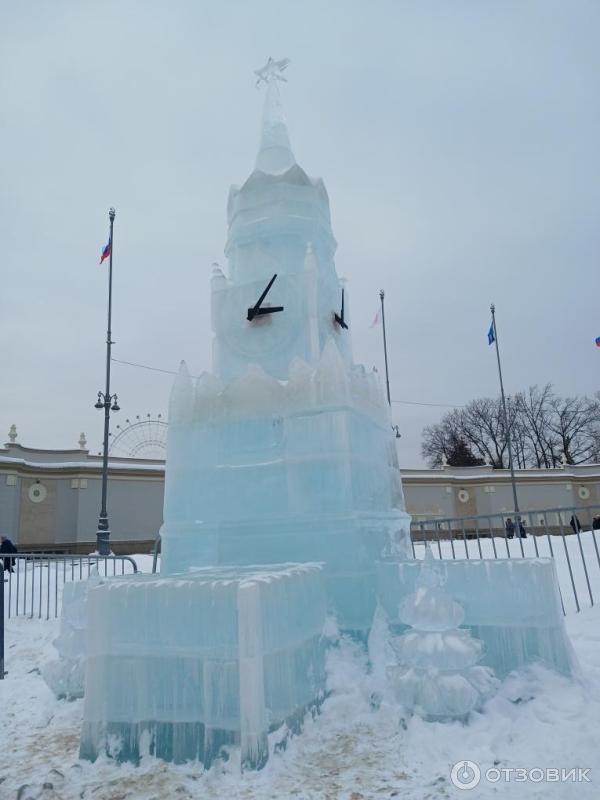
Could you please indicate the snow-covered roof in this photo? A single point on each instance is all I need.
(92, 464)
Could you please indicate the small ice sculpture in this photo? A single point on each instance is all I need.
(512, 605)
(437, 675)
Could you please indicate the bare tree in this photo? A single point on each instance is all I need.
(595, 456)
(479, 426)
(575, 423)
(436, 443)
(544, 429)
(534, 409)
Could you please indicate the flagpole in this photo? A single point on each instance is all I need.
(387, 374)
(506, 425)
(109, 403)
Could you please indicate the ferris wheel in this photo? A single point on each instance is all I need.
(142, 437)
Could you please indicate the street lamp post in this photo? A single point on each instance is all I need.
(109, 403)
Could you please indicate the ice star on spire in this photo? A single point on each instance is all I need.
(272, 71)
(275, 152)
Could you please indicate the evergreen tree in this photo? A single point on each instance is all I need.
(461, 455)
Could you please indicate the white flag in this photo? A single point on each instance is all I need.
(377, 319)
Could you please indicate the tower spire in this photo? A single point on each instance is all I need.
(275, 151)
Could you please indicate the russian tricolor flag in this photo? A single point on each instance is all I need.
(106, 252)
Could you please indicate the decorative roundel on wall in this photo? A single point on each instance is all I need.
(463, 496)
(37, 493)
(583, 492)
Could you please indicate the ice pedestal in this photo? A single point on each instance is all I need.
(512, 605)
(179, 666)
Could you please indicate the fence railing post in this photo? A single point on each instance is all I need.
(567, 556)
(583, 561)
(2, 628)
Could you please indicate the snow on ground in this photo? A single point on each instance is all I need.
(356, 749)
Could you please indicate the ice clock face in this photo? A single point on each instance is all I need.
(265, 332)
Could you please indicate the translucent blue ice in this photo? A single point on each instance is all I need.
(511, 605)
(181, 666)
(282, 456)
(437, 674)
(66, 675)
(285, 451)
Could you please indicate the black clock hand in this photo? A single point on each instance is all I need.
(268, 310)
(252, 312)
(340, 319)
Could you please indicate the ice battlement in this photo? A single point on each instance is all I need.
(331, 384)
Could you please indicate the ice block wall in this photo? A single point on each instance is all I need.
(512, 605)
(264, 471)
(180, 666)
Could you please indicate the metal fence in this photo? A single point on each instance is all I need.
(33, 584)
(156, 552)
(569, 535)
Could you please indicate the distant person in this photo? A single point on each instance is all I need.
(6, 546)
(522, 531)
(575, 524)
(510, 528)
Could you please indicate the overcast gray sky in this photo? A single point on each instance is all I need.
(459, 142)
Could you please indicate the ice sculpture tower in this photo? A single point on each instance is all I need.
(286, 452)
(279, 224)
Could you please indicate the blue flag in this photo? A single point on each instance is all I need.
(491, 334)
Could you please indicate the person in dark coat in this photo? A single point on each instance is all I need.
(575, 524)
(6, 546)
(510, 528)
(522, 531)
